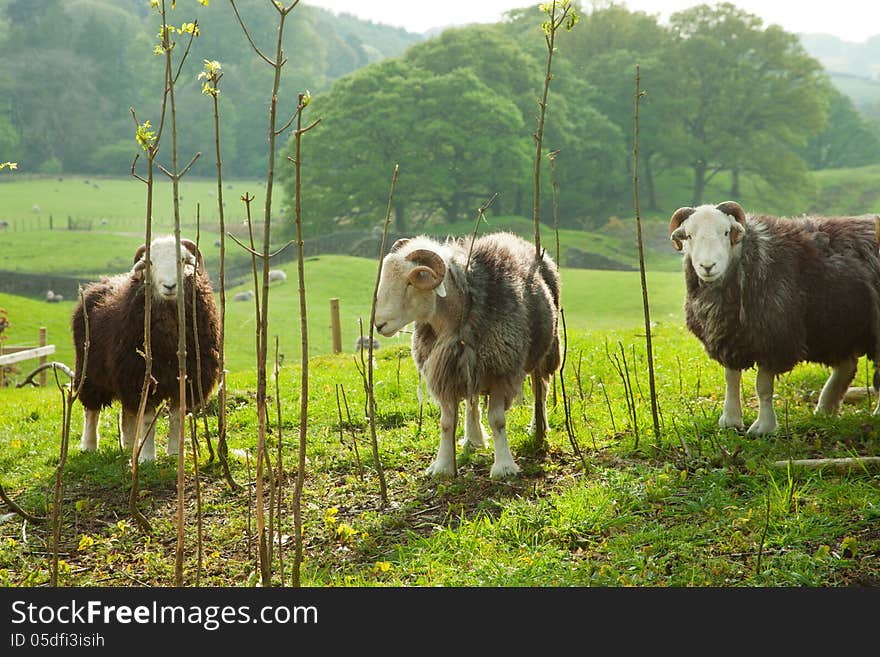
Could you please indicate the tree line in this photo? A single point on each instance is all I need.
(727, 98)
(71, 71)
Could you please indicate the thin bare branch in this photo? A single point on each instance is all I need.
(248, 35)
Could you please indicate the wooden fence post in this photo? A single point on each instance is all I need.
(335, 326)
(42, 358)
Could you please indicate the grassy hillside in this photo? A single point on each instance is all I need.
(593, 300)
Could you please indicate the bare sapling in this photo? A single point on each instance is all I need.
(202, 407)
(69, 394)
(647, 307)
(211, 75)
(370, 390)
(279, 463)
(348, 423)
(149, 138)
(569, 426)
(175, 174)
(276, 63)
(198, 484)
(559, 13)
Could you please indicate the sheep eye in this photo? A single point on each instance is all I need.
(726, 232)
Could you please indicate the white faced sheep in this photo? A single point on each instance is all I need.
(115, 366)
(480, 328)
(363, 342)
(774, 292)
(277, 276)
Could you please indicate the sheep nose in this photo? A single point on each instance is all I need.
(169, 288)
(379, 327)
(708, 268)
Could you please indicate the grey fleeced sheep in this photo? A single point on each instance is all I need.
(773, 292)
(480, 328)
(115, 365)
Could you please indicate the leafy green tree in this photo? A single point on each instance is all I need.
(457, 142)
(751, 97)
(605, 50)
(848, 140)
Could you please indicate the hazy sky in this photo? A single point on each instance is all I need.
(851, 20)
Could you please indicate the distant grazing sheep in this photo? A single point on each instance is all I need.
(364, 341)
(51, 297)
(480, 328)
(4, 225)
(277, 275)
(243, 296)
(115, 366)
(774, 292)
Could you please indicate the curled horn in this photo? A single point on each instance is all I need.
(675, 223)
(735, 210)
(137, 271)
(429, 262)
(189, 244)
(140, 253)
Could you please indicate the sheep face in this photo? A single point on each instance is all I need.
(709, 235)
(164, 265)
(408, 289)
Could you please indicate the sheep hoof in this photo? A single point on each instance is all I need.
(438, 469)
(726, 422)
(760, 428)
(503, 470)
(470, 446)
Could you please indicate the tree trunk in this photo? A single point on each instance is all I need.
(399, 219)
(649, 185)
(699, 183)
(734, 184)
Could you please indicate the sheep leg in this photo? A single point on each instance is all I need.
(474, 433)
(836, 386)
(766, 422)
(732, 415)
(541, 388)
(148, 431)
(504, 465)
(89, 440)
(173, 444)
(444, 464)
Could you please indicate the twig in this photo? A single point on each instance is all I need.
(481, 212)
(56, 365)
(17, 509)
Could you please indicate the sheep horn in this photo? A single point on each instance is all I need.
(429, 259)
(735, 210)
(139, 253)
(189, 244)
(677, 220)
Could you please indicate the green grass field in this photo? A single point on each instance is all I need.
(698, 507)
(612, 504)
(592, 300)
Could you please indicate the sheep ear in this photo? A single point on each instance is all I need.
(735, 210)
(676, 233)
(191, 246)
(441, 290)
